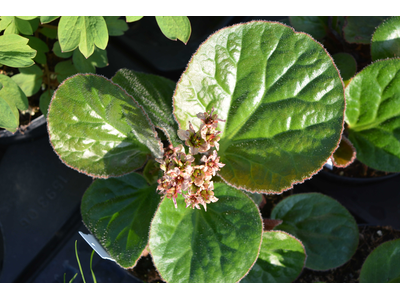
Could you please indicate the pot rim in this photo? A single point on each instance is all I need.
(34, 130)
(356, 180)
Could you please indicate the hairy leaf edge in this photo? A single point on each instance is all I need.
(87, 173)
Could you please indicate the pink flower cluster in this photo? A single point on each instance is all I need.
(183, 174)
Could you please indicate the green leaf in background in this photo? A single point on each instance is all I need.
(360, 29)
(151, 171)
(115, 25)
(217, 245)
(88, 65)
(97, 128)
(5, 21)
(154, 93)
(317, 27)
(282, 258)
(57, 51)
(40, 47)
(327, 230)
(383, 264)
(65, 69)
(14, 51)
(51, 33)
(29, 79)
(44, 101)
(386, 40)
(11, 99)
(12, 93)
(175, 28)
(133, 19)
(346, 64)
(47, 19)
(257, 198)
(373, 115)
(345, 154)
(118, 211)
(9, 117)
(23, 26)
(27, 18)
(281, 96)
(85, 32)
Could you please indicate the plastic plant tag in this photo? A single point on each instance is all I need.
(329, 164)
(91, 240)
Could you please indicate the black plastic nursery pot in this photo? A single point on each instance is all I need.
(373, 201)
(40, 214)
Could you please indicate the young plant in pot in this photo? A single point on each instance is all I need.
(258, 109)
(372, 115)
(37, 53)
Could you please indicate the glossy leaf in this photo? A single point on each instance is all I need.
(317, 27)
(57, 51)
(133, 19)
(345, 154)
(154, 93)
(327, 230)
(65, 69)
(40, 47)
(346, 64)
(44, 101)
(360, 29)
(97, 128)
(217, 245)
(9, 117)
(386, 40)
(85, 32)
(118, 211)
(47, 19)
(175, 28)
(373, 115)
(115, 25)
(88, 65)
(29, 79)
(383, 264)
(12, 93)
(282, 258)
(281, 96)
(14, 51)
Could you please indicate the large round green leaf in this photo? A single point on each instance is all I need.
(327, 230)
(280, 94)
(373, 115)
(386, 40)
(97, 128)
(154, 93)
(383, 264)
(118, 211)
(282, 258)
(217, 245)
